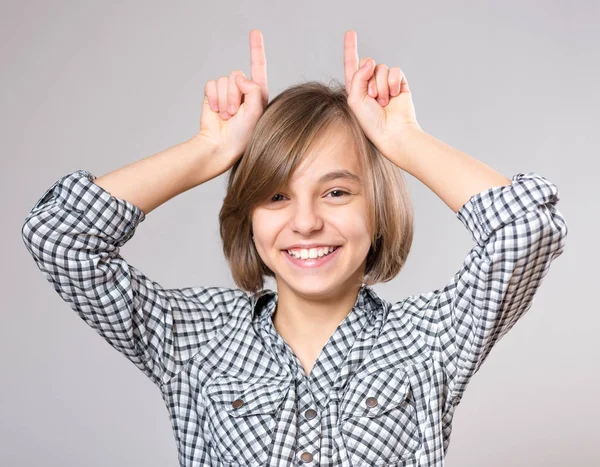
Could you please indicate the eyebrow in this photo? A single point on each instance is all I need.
(345, 174)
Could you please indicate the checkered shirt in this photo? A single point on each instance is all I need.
(383, 390)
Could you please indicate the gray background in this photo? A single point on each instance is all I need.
(92, 85)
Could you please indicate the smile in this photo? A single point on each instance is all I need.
(312, 262)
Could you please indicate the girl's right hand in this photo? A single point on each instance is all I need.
(232, 106)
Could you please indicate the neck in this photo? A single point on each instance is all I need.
(308, 320)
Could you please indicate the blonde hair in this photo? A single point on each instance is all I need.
(291, 123)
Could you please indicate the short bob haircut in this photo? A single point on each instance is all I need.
(291, 124)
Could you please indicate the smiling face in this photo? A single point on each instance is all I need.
(315, 208)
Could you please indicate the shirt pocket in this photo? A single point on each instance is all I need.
(378, 419)
(241, 419)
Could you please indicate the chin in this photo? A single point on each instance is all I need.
(314, 285)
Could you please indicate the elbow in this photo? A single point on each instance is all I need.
(551, 229)
(35, 233)
(560, 232)
(27, 233)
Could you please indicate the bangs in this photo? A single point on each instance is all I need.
(276, 156)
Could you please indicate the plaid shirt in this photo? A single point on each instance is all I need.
(385, 387)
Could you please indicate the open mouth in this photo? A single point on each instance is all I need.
(313, 262)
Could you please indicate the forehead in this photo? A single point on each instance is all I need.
(335, 150)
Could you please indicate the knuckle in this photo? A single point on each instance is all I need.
(252, 85)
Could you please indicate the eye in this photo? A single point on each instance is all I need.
(341, 193)
(273, 198)
(338, 191)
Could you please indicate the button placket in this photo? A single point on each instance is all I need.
(309, 424)
(309, 434)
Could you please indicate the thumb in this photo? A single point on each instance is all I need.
(360, 79)
(251, 91)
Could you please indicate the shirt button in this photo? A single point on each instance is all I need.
(306, 457)
(236, 404)
(310, 414)
(371, 402)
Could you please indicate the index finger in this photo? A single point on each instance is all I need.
(350, 57)
(258, 62)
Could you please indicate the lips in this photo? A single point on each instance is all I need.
(313, 262)
(315, 248)
(308, 247)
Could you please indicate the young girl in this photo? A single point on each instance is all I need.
(323, 372)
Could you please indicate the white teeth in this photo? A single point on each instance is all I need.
(311, 253)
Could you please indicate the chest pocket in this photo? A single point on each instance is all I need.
(241, 418)
(378, 419)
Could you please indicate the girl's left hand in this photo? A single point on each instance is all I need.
(380, 99)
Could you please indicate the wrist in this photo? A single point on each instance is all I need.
(202, 145)
(203, 153)
(401, 144)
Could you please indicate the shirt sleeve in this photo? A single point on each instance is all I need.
(518, 232)
(74, 234)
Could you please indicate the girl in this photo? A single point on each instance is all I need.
(322, 372)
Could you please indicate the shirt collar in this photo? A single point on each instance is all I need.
(264, 301)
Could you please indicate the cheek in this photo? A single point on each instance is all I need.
(265, 234)
(354, 227)
(264, 226)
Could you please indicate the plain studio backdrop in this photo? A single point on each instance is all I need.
(91, 85)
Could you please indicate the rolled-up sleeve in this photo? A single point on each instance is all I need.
(74, 234)
(518, 232)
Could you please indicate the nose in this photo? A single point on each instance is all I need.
(305, 218)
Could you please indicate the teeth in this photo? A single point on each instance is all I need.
(311, 253)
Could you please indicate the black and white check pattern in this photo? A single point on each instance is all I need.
(384, 387)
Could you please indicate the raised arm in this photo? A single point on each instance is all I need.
(515, 224)
(382, 102)
(230, 109)
(76, 229)
(518, 232)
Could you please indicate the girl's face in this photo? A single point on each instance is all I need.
(321, 209)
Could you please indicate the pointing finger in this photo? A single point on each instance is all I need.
(350, 57)
(258, 63)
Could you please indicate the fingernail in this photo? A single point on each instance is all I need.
(231, 109)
